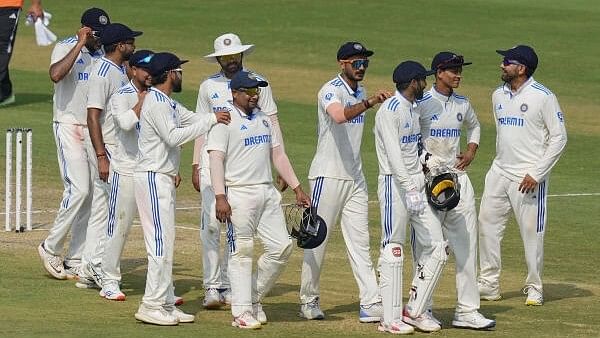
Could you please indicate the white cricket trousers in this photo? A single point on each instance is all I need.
(332, 198)
(74, 210)
(96, 231)
(255, 210)
(214, 266)
(499, 196)
(459, 226)
(121, 210)
(155, 198)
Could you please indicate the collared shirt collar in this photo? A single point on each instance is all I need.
(348, 88)
(436, 94)
(405, 101)
(171, 101)
(507, 90)
(120, 68)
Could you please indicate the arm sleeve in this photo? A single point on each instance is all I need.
(276, 130)
(97, 91)
(388, 127)
(197, 156)
(472, 125)
(283, 166)
(202, 108)
(177, 136)
(125, 118)
(217, 171)
(557, 137)
(266, 102)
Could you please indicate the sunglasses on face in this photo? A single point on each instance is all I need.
(507, 62)
(229, 58)
(454, 60)
(356, 64)
(250, 91)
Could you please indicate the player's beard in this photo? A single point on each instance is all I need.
(177, 85)
(419, 93)
(233, 67)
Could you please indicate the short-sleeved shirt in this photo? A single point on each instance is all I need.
(338, 145)
(106, 78)
(443, 117)
(247, 143)
(530, 131)
(70, 93)
(214, 95)
(397, 138)
(127, 128)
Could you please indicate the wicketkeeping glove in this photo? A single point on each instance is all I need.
(415, 203)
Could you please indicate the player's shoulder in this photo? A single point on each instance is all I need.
(426, 97)
(540, 88)
(71, 40)
(216, 77)
(127, 89)
(500, 89)
(460, 98)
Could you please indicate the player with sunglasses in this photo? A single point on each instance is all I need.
(338, 184)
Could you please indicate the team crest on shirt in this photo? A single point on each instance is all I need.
(265, 123)
(524, 107)
(560, 116)
(459, 117)
(328, 96)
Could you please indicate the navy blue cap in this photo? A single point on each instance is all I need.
(95, 18)
(117, 32)
(409, 70)
(244, 79)
(141, 58)
(445, 60)
(523, 54)
(353, 48)
(164, 62)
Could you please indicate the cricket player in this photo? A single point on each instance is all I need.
(530, 137)
(107, 76)
(443, 114)
(125, 106)
(215, 95)
(240, 169)
(338, 184)
(401, 191)
(70, 67)
(165, 126)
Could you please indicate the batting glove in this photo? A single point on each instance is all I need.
(415, 203)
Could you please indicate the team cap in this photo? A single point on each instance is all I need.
(353, 48)
(228, 44)
(523, 54)
(164, 62)
(445, 60)
(141, 58)
(117, 32)
(409, 70)
(244, 79)
(95, 18)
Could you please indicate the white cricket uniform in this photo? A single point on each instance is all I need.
(105, 79)
(121, 206)
(530, 137)
(339, 187)
(215, 95)
(444, 117)
(165, 125)
(255, 206)
(397, 138)
(73, 148)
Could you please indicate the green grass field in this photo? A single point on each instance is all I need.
(296, 45)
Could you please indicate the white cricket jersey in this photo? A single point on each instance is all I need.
(442, 116)
(397, 137)
(70, 93)
(530, 131)
(214, 95)
(106, 78)
(165, 125)
(127, 128)
(247, 143)
(338, 145)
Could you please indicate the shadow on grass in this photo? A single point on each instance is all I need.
(554, 292)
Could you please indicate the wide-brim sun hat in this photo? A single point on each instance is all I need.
(228, 44)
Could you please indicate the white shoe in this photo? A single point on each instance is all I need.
(429, 313)
(53, 264)
(487, 292)
(311, 310)
(111, 291)
(422, 323)
(472, 320)
(155, 316)
(258, 313)
(212, 299)
(396, 327)
(72, 272)
(225, 296)
(86, 283)
(181, 316)
(371, 313)
(246, 321)
(534, 296)
(93, 272)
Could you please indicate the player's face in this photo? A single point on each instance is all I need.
(420, 85)
(246, 98)
(355, 67)
(230, 64)
(511, 70)
(142, 76)
(177, 76)
(92, 41)
(449, 78)
(127, 48)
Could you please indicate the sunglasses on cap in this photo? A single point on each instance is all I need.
(454, 60)
(356, 64)
(231, 57)
(507, 62)
(250, 91)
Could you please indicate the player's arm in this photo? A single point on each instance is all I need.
(218, 142)
(177, 136)
(557, 137)
(98, 87)
(126, 117)
(341, 114)
(61, 67)
(202, 107)
(283, 166)
(473, 134)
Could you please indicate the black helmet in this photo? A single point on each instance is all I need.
(443, 191)
(308, 228)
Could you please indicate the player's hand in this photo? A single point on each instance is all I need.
(103, 167)
(281, 183)
(464, 159)
(379, 97)
(415, 203)
(528, 184)
(223, 210)
(223, 117)
(82, 35)
(35, 10)
(196, 177)
(177, 180)
(301, 197)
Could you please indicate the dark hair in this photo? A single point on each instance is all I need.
(110, 48)
(402, 86)
(160, 78)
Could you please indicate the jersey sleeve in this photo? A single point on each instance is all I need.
(203, 103)
(328, 95)
(218, 138)
(125, 118)
(98, 91)
(472, 125)
(161, 120)
(557, 137)
(60, 50)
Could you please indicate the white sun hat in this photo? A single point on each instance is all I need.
(228, 44)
